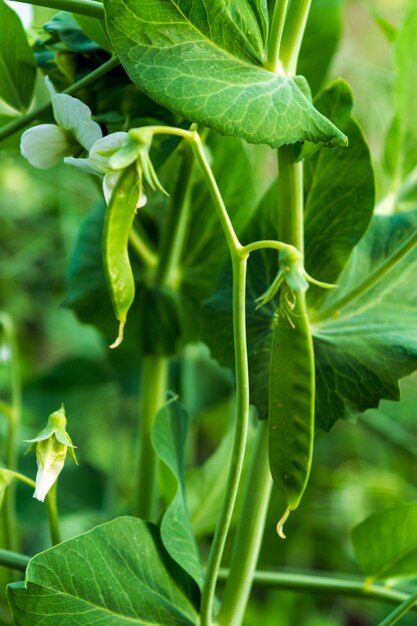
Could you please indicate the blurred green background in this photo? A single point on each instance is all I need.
(358, 468)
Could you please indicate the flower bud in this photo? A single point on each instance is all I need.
(51, 447)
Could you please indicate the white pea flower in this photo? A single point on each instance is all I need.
(100, 161)
(51, 447)
(47, 145)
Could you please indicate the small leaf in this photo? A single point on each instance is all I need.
(117, 573)
(385, 543)
(169, 438)
(17, 66)
(194, 59)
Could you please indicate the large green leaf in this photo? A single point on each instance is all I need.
(169, 438)
(118, 573)
(385, 543)
(193, 58)
(17, 67)
(365, 345)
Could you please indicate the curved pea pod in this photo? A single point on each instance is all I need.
(117, 225)
(291, 403)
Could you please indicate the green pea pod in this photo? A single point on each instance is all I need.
(291, 403)
(117, 225)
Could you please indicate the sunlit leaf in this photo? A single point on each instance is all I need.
(194, 59)
(118, 573)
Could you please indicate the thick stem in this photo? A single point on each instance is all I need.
(323, 584)
(295, 24)
(249, 535)
(290, 215)
(14, 560)
(175, 229)
(400, 611)
(82, 7)
(143, 251)
(53, 519)
(273, 62)
(14, 417)
(239, 264)
(152, 397)
(32, 116)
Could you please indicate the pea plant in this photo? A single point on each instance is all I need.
(237, 211)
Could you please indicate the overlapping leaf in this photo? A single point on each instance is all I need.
(204, 61)
(385, 543)
(169, 438)
(118, 573)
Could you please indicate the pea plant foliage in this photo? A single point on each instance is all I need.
(237, 211)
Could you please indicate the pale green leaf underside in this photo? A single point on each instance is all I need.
(169, 438)
(118, 573)
(192, 58)
(385, 544)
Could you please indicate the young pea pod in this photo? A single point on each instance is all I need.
(117, 225)
(291, 403)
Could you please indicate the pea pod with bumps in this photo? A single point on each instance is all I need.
(291, 402)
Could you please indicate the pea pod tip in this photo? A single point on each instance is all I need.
(119, 338)
(280, 525)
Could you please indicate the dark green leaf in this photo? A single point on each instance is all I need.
(118, 573)
(320, 41)
(385, 543)
(193, 59)
(363, 347)
(64, 28)
(17, 66)
(169, 438)
(339, 192)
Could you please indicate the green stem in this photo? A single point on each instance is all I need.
(32, 116)
(292, 38)
(14, 560)
(249, 535)
(323, 584)
(82, 7)
(273, 62)
(291, 202)
(142, 250)
(241, 428)
(369, 282)
(152, 397)
(9, 506)
(52, 510)
(239, 263)
(175, 229)
(400, 611)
